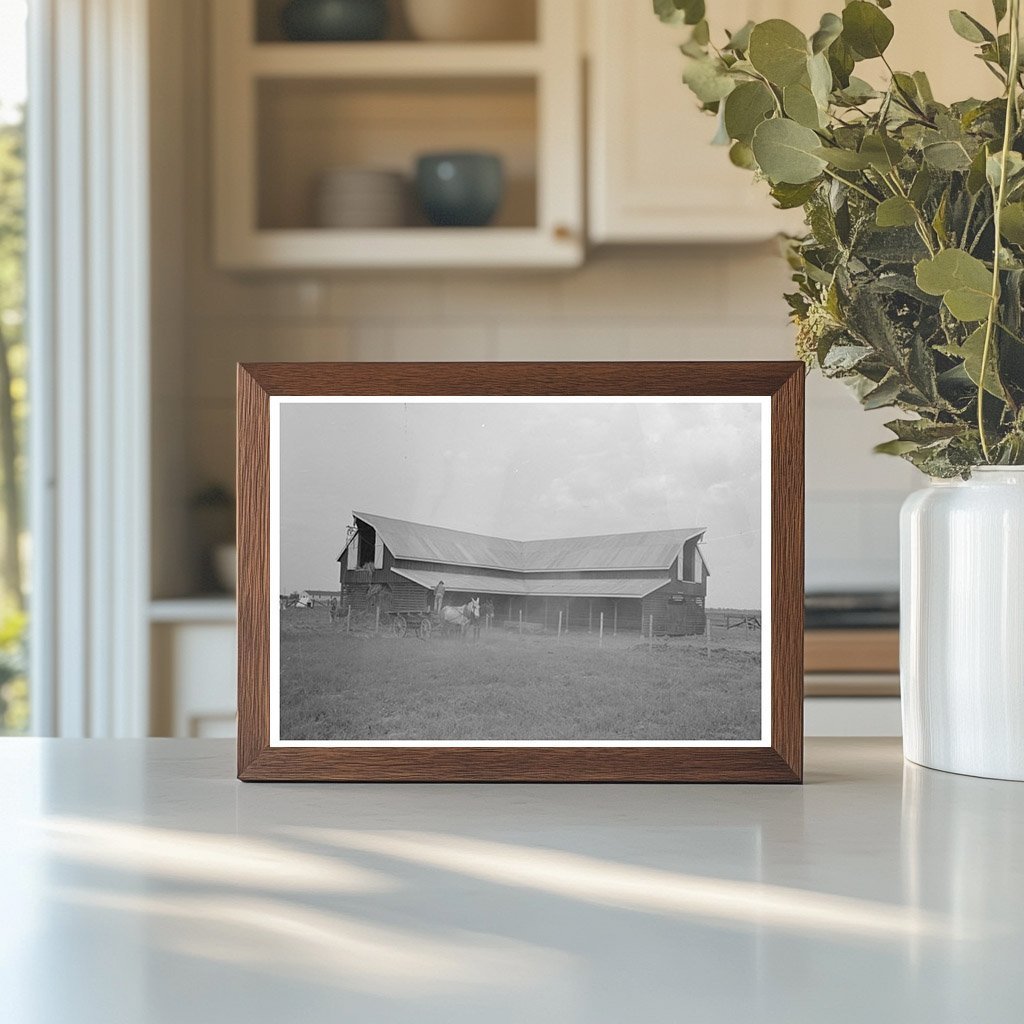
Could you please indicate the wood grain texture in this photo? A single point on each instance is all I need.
(782, 762)
(852, 650)
(252, 487)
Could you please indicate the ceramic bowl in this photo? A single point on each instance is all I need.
(334, 20)
(460, 189)
(361, 197)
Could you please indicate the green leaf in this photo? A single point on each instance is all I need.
(778, 50)
(739, 41)
(789, 197)
(708, 80)
(921, 185)
(976, 174)
(785, 152)
(844, 159)
(883, 153)
(884, 395)
(721, 136)
(800, 105)
(741, 155)
(746, 107)
(829, 30)
(896, 447)
(858, 91)
(1012, 225)
(820, 76)
(896, 212)
(923, 431)
(924, 87)
(971, 352)
(841, 60)
(866, 29)
(676, 12)
(963, 281)
(969, 28)
(1014, 169)
(947, 156)
(939, 220)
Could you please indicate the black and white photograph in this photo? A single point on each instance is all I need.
(564, 571)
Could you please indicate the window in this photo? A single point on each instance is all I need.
(14, 550)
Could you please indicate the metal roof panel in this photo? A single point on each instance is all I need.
(649, 549)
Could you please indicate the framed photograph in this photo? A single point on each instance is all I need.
(520, 572)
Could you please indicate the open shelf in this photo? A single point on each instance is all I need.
(393, 60)
(286, 114)
(308, 127)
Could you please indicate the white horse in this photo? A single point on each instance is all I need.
(463, 615)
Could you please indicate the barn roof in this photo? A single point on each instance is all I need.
(483, 583)
(649, 549)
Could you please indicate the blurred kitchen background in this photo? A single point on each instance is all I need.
(289, 219)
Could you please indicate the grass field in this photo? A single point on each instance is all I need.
(364, 686)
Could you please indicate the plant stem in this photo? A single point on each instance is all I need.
(1000, 198)
(923, 228)
(856, 188)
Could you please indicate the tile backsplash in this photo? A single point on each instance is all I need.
(700, 303)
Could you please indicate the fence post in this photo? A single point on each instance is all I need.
(559, 623)
(600, 633)
(348, 620)
(520, 621)
(377, 624)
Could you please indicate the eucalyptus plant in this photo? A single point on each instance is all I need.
(910, 278)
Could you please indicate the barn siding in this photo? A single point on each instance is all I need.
(665, 624)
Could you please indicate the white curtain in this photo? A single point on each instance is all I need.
(88, 323)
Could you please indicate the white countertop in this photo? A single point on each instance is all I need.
(143, 885)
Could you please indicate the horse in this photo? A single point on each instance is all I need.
(486, 613)
(463, 615)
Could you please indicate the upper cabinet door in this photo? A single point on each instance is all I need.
(654, 175)
(292, 120)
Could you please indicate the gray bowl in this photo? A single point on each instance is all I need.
(334, 20)
(461, 190)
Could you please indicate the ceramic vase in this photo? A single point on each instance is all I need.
(962, 624)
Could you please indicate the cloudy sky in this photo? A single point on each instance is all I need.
(526, 471)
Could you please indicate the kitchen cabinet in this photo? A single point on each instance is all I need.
(192, 650)
(653, 175)
(286, 113)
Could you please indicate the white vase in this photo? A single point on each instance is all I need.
(962, 624)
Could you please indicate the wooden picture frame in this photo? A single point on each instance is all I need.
(778, 759)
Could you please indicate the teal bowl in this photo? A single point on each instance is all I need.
(334, 21)
(460, 190)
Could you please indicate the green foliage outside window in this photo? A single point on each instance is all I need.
(13, 413)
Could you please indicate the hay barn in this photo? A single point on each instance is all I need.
(627, 576)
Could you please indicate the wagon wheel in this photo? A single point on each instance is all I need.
(399, 626)
(424, 630)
